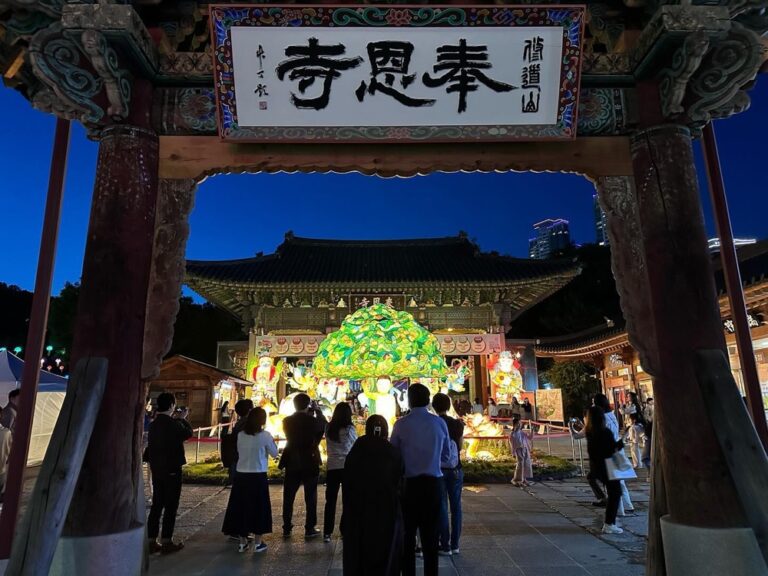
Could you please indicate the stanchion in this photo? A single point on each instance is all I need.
(547, 431)
(197, 448)
(218, 438)
(581, 459)
(573, 448)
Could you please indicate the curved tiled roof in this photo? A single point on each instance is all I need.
(432, 260)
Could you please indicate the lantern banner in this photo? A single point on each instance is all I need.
(549, 405)
(396, 73)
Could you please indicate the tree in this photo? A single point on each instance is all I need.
(578, 382)
(61, 317)
(587, 301)
(197, 329)
(15, 307)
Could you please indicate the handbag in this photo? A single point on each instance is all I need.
(619, 467)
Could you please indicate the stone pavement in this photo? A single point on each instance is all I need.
(548, 529)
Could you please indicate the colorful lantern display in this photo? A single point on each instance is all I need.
(377, 341)
(506, 380)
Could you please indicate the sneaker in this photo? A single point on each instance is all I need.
(260, 547)
(242, 547)
(171, 547)
(327, 538)
(312, 533)
(442, 552)
(154, 547)
(455, 551)
(612, 529)
(599, 503)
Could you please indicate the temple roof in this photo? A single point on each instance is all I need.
(753, 265)
(428, 260)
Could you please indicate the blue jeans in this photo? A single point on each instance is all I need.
(453, 481)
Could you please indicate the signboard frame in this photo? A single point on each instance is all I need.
(223, 18)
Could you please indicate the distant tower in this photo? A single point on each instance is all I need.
(601, 231)
(552, 235)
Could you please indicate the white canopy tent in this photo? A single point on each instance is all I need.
(50, 397)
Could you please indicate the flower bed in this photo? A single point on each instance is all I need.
(498, 469)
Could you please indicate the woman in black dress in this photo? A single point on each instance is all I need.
(601, 445)
(372, 523)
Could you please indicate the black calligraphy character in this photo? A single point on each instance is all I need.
(260, 73)
(260, 56)
(463, 65)
(531, 76)
(532, 106)
(534, 49)
(311, 62)
(261, 90)
(390, 59)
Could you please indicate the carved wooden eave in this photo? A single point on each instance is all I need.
(79, 59)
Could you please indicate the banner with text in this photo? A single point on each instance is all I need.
(367, 73)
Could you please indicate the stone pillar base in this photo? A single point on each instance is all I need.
(120, 554)
(710, 551)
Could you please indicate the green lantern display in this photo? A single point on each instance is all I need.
(380, 341)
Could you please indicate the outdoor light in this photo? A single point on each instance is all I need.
(49, 348)
(17, 350)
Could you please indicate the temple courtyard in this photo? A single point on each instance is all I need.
(549, 529)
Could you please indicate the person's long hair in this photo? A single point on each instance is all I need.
(595, 421)
(342, 417)
(255, 421)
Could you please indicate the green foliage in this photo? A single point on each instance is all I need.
(475, 471)
(578, 382)
(197, 329)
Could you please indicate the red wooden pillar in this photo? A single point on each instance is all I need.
(665, 281)
(111, 323)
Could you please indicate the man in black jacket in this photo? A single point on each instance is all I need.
(301, 461)
(165, 453)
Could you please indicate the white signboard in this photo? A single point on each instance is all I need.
(391, 73)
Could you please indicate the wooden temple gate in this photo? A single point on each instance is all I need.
(138, 76)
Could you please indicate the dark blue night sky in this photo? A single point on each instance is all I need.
(237, 216)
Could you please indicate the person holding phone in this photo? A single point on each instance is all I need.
(165, 454)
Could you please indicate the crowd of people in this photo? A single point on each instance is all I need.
(401, 491)
(605, 438)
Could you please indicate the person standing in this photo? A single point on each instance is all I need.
(249, 510)
(493, 409)
(423, 441)
(165, 453)
(225, 419)
(520, 442)
(339, 438)
(601, 445)
(477, 407)
(5, 451)
(229, 442)
(453, 480)
(636, 435)
(301, 461)
(527, 409)
(8, 416)
(372, 520)
(612, 423)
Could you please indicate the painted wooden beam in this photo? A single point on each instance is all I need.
(201, 156)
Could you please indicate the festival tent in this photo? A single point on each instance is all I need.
(50, 397)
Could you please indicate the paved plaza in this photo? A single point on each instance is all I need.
(548, 529)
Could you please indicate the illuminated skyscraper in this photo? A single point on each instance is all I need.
(552, 236)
